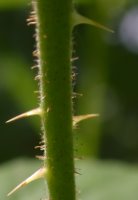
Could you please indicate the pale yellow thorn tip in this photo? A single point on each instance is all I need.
(77, 119)
(36, 111)
(37, 175)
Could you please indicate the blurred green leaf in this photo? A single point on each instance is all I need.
(19, 81)
(99, 180)
(107, 180)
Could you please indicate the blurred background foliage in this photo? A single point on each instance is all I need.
(104, 79)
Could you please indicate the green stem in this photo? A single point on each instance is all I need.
(54, 23)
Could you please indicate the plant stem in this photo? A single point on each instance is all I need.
(54, 25)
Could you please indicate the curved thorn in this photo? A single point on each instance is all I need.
(36, 111)
(77, 119)
(38, 174)
(80, 19)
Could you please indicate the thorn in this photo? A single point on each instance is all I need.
(77, 119)
(40, 157)
(35, 66)
(36, 53)
(31, 23)
(42, 147)
(80, 19)
(77, 172)
(37, 77)
(75, 94)
(37, 175)
(73, 59)
(36, 111)
(32, 19)
(33, 12)
(37, 147)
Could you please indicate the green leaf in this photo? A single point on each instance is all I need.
(99, 180)
(107, 180)
(18, 80)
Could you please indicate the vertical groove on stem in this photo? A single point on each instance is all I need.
(54, 49)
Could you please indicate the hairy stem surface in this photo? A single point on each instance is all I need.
(54, 48)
